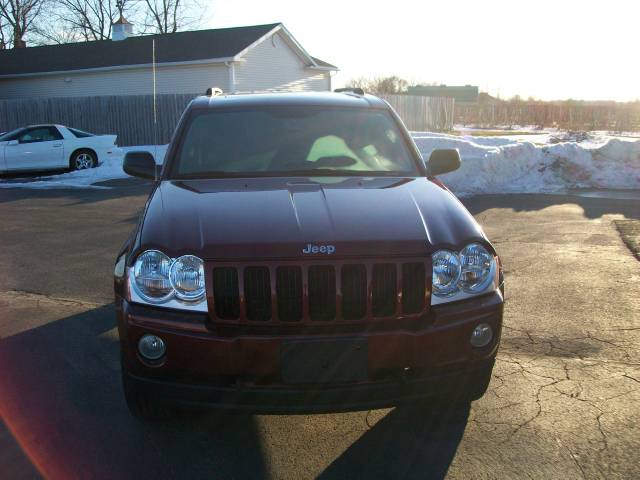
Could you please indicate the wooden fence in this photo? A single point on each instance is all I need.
(423, 113)
(131, 117)
(611, 116)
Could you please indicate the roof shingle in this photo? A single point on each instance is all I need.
(136, 50)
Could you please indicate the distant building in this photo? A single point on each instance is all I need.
(258, 58)
(461, 94)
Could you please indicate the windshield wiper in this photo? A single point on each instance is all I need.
(328, 172)
(316, 172)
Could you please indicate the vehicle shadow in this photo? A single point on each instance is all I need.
(415, 442)
(33, 174)
(61, 398)
(106, 190)
(593, 206)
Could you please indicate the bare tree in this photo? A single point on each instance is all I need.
(5, 34)
(169, 16)
(89, 20)
(56, 32)
(85, 19)
(380, 85)
(359, 82)
(19, 17)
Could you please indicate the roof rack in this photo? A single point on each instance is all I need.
(213, 92)
(356, 90)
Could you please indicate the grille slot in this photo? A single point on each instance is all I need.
(354, 291)
(383, 289)
(413, 287)
(289, 293)
(226, 296)
(257, 293)
(322, 292)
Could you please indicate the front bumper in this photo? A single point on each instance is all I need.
(244, 371)
(453, 385)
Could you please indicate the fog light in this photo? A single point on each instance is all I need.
(481, 335)
(151, 347)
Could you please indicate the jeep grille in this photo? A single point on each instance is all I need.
(319, 291)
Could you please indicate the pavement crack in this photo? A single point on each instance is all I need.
(573, 456)
(630, 377)
(622, 329)
(591, 336)
(604, 435)
(40, 297)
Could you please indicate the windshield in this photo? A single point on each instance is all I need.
(273, 141)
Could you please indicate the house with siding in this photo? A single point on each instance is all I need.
(258, 58)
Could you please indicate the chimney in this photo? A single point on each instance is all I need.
(121, 29)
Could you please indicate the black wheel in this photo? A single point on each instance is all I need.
(83, 159)
(440, 410)
(140, 405)
(459, 398)
(477, 386)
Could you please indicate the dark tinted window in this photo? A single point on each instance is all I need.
(40, 134)
(293, 141)
(80, 133)
(12, 135)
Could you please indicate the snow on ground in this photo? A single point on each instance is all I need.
(503, 165)
(491, 164)
(108, 169)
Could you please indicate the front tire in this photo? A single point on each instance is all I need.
(140, 404)
(460, 397)
(82, 160)
(475, 386)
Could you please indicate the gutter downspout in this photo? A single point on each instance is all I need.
(232, 76)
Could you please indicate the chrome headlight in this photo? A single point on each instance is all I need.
(464, 274)
(446, 272)
(151, 276)
(166, 282)
(477, 268)
(187, 278)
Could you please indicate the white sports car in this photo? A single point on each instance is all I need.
(49, 147)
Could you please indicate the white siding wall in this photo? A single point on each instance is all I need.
(273, 66)
(170, 79)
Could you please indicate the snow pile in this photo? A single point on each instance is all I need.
(109, 169)
(502, 165)
(495, 164)
(572, 136)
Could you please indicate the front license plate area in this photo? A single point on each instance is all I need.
(324, 361)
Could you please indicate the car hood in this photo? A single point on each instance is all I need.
(279, 218)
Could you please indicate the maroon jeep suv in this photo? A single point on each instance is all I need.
(297, 254)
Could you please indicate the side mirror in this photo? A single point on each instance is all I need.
(12, 142)
(443, 160)
(140, 164)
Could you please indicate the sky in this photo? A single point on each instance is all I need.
(545, 49)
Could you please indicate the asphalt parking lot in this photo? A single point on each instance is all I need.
(564, 401)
